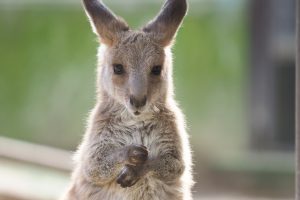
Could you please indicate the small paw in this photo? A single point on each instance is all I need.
(127, 177)
(137, 154)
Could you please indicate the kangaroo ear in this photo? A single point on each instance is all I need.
(165, 25)
(104, 22)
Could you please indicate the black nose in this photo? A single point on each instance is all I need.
(138, 103)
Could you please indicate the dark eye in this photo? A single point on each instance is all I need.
(156, 70)
(118, 69)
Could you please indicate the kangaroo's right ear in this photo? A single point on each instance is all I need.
(104, 23)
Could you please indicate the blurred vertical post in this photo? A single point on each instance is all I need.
(272, 74)
(298, 101)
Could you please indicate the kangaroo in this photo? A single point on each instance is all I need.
(135, 146)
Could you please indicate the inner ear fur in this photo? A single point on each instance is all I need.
(104, 22)
(165, 25)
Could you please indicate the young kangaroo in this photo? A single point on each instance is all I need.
(135, 146)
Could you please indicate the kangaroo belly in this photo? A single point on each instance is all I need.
(145, 189)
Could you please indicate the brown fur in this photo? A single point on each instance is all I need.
(125, 156)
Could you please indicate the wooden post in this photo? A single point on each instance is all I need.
(298, 101)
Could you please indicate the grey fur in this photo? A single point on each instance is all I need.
(125, 156)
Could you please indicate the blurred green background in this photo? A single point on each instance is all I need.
(47, 81)
(48, 59)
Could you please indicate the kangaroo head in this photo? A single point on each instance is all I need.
(135, 66)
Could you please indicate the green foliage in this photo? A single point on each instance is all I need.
(47, 64)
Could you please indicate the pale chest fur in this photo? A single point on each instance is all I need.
(161, 134)
(150, 133)
(155, 135)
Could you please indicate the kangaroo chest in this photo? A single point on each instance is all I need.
(145, 133)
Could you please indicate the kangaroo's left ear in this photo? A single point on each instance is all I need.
(167, 22)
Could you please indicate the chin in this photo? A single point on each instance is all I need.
(138, 112)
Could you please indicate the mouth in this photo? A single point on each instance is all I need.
(136, 113)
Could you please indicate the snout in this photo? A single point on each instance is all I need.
(137, 102)
(138, 90)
